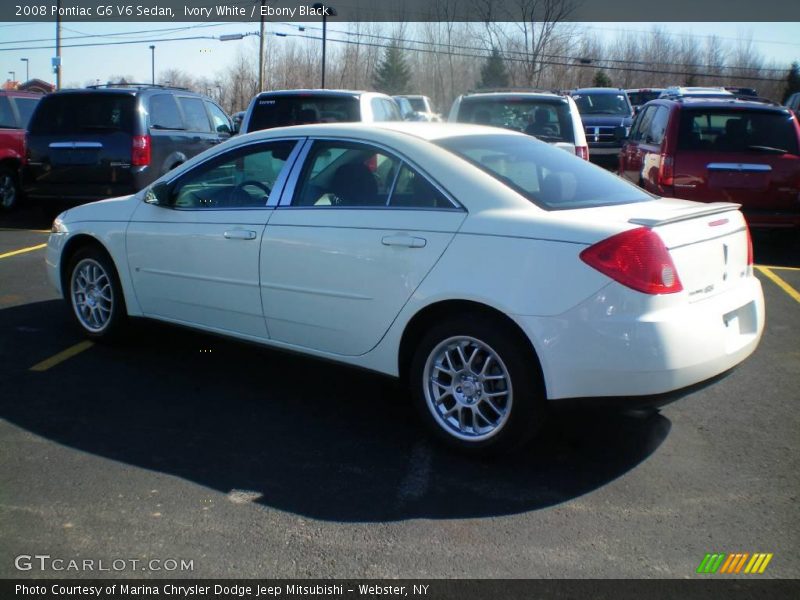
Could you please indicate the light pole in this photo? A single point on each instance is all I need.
(27, 69)
(13, 75)
(153, 65)
(326, 10)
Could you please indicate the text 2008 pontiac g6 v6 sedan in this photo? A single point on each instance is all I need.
(493, 272)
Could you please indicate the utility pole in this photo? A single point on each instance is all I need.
(261, 50)
(153, 65)
(58, 44)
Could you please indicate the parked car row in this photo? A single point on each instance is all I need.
(689, 142)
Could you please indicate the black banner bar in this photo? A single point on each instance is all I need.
(401, 11)
(351, 589)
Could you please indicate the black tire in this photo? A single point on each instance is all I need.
(112, 314)
(10, 192)
(524, 408)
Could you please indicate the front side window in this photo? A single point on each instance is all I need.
(642, 123)
(242, 179)
(545, 175)
(219, 119)
(195, 114)
(378, 111)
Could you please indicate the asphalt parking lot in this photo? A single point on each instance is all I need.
(254, 463)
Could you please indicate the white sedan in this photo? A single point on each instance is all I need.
(492, 272)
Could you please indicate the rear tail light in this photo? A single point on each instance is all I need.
(582, 151)
(665, 171)
(140, 151)
(636, 258)
(749, 250)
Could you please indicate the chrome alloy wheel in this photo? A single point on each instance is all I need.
(8, 191)
(92, 295)
(467, 388)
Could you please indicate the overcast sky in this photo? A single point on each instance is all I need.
(776, 41)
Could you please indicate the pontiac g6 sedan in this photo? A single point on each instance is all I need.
(493, 273)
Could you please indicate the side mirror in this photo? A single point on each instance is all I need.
(620, 133)
(158, 194)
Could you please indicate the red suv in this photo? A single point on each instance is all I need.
(734, 150)
(15, 112)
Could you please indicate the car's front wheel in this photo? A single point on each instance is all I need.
(477, 385)
(95, 294)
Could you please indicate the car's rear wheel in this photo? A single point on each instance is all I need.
(95, 294)
(9, 189)
(477, 385)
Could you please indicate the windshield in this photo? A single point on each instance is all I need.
(83, 113)
(284, 110)
(25, 108)
(545, 175)
(547, 119)
(602, 103)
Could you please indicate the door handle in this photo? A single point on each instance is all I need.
(240, 234)
(405, 241)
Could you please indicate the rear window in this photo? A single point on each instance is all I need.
(25, 108)
(84, 113)
(549, 120)
(281, 111)
(418, 104)
(738, 131)
(545, 175)
(643, 97)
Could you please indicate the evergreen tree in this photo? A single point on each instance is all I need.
(392, 75)
(792, 81)
(601, 79)
(493, 71)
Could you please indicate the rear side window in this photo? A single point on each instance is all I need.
(545, 175)
(549, 120)
(195, 114)
(25, 108)
(164, 112)
(7, 120)
(284, 110)
(738, 130)
(84, 113)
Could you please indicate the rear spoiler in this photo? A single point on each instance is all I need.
(690, 213)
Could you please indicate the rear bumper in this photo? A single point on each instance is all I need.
(621, 343)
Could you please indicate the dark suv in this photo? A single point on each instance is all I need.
(607, 115)
(104, 141)
(714, 149)
(15, 112)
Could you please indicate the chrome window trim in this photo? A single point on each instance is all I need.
(290, 188)
(739, 167)
(279, 182)
(75, 145)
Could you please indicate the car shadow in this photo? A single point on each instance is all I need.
(28, 217)
(297, 434)
(780, 247)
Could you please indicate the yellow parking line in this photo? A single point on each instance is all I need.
(28, 230)
(23, 250)
(780, 282)
(780, 268)
(56, 359)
